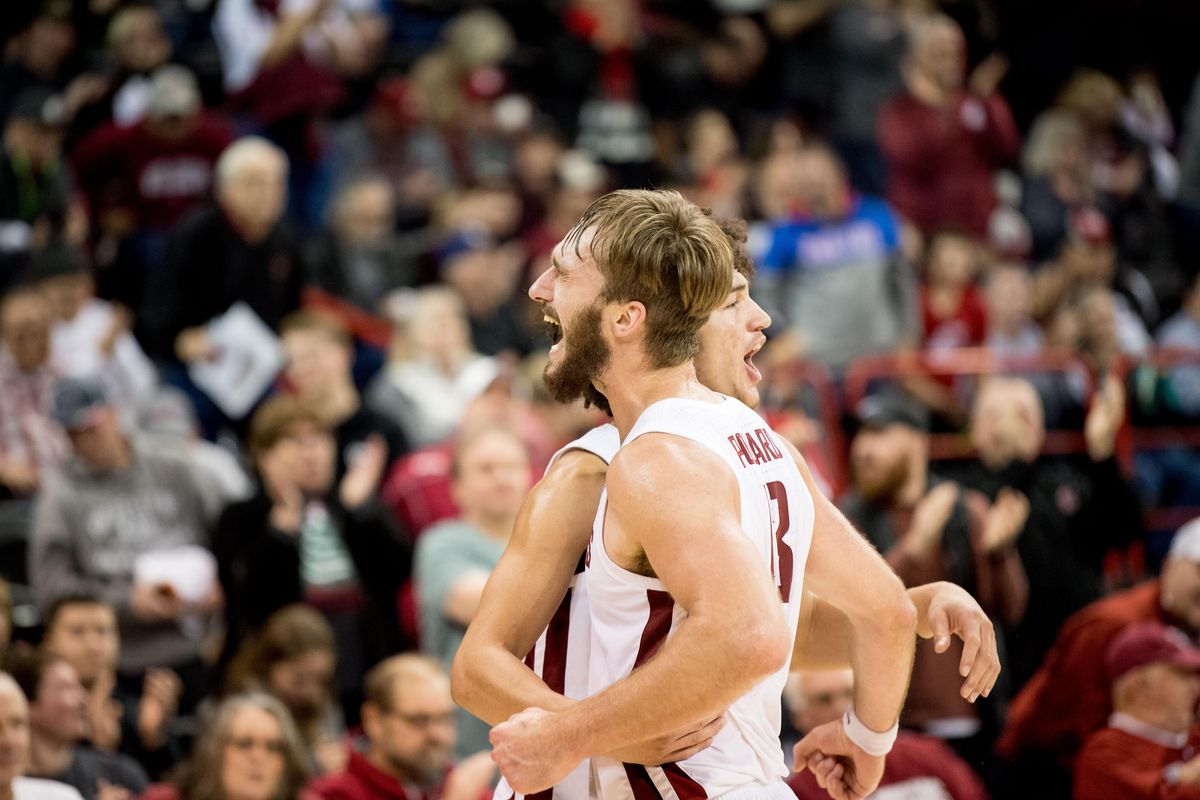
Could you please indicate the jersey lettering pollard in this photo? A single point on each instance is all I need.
(632, 615)
(560, 656)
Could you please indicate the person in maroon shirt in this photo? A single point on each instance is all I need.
(942, 139)
(1146, 752)
(149, 175)
(408, 718)
(917, 766)
(1069, 697)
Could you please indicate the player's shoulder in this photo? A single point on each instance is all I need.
(602, 441)
(657, 460)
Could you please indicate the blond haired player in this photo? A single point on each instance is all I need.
(731, 338)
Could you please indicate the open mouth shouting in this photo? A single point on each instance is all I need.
(553, 327)
(748, 358)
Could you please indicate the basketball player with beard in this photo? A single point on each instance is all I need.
(537, 587)
(704, 538)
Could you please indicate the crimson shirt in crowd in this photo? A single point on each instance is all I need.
(940, 160)
(918, 768)
(1069, 697)
(1127, 761)
(966, 327)
(362, 780)
(158, 181)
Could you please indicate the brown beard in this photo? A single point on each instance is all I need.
(887, 486)
(586, 355)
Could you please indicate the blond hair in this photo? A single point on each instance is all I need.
(659, 249)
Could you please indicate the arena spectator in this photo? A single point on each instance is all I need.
(1070, 697)
(833, 277)
(361, 258)
(90, 337)
(1057, 171)
(454, 558)
(249, 749)
(1008, 299)
(485, 274)
(1146, 750)
(36, 196)
(82, 629)
(14, 751)
(283, 65)
(952, 308)
(867, 43)
(408, 748)
(146, 176)
(946, 134)
(293, 659)
(1182, 332)
(31, 441)
(917, 764)
(433, 370)
(1087, 259)
(305, 537)
(320, 357)
(117, 500)
(1080, 509)
(931, 529)
(58, 723)
(137, 45)
(37, 55)
(238, 250)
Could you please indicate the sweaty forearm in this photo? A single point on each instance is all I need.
(493, 684)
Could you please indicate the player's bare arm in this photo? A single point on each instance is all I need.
(848, 573)
(824, 636)
(489, 678)
(676, 502)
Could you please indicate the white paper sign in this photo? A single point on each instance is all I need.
(190, 571)
(249, 357)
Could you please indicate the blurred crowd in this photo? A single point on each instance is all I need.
(976, 229)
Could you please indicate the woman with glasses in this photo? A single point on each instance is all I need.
(249, 750)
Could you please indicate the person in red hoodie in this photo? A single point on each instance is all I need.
(408, 718)
(1069, 697)
(147, 176)
(1146, 752)
(918, 766)
(945, 135)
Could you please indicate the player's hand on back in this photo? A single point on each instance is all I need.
(530, 759)
(840, 766)
(677, 746)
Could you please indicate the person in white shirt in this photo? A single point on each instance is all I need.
(91, 337)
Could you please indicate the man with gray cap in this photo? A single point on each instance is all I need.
(929, 529)
(1069, 697)
(99, 517)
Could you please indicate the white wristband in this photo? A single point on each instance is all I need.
(871, 742)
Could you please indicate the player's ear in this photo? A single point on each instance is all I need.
(631, 319)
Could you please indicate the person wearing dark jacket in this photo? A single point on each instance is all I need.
(305, 538)
(930, 529)
(235, 251)
(1079, 509)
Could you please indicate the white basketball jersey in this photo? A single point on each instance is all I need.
(632, 615)
(560, 657)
